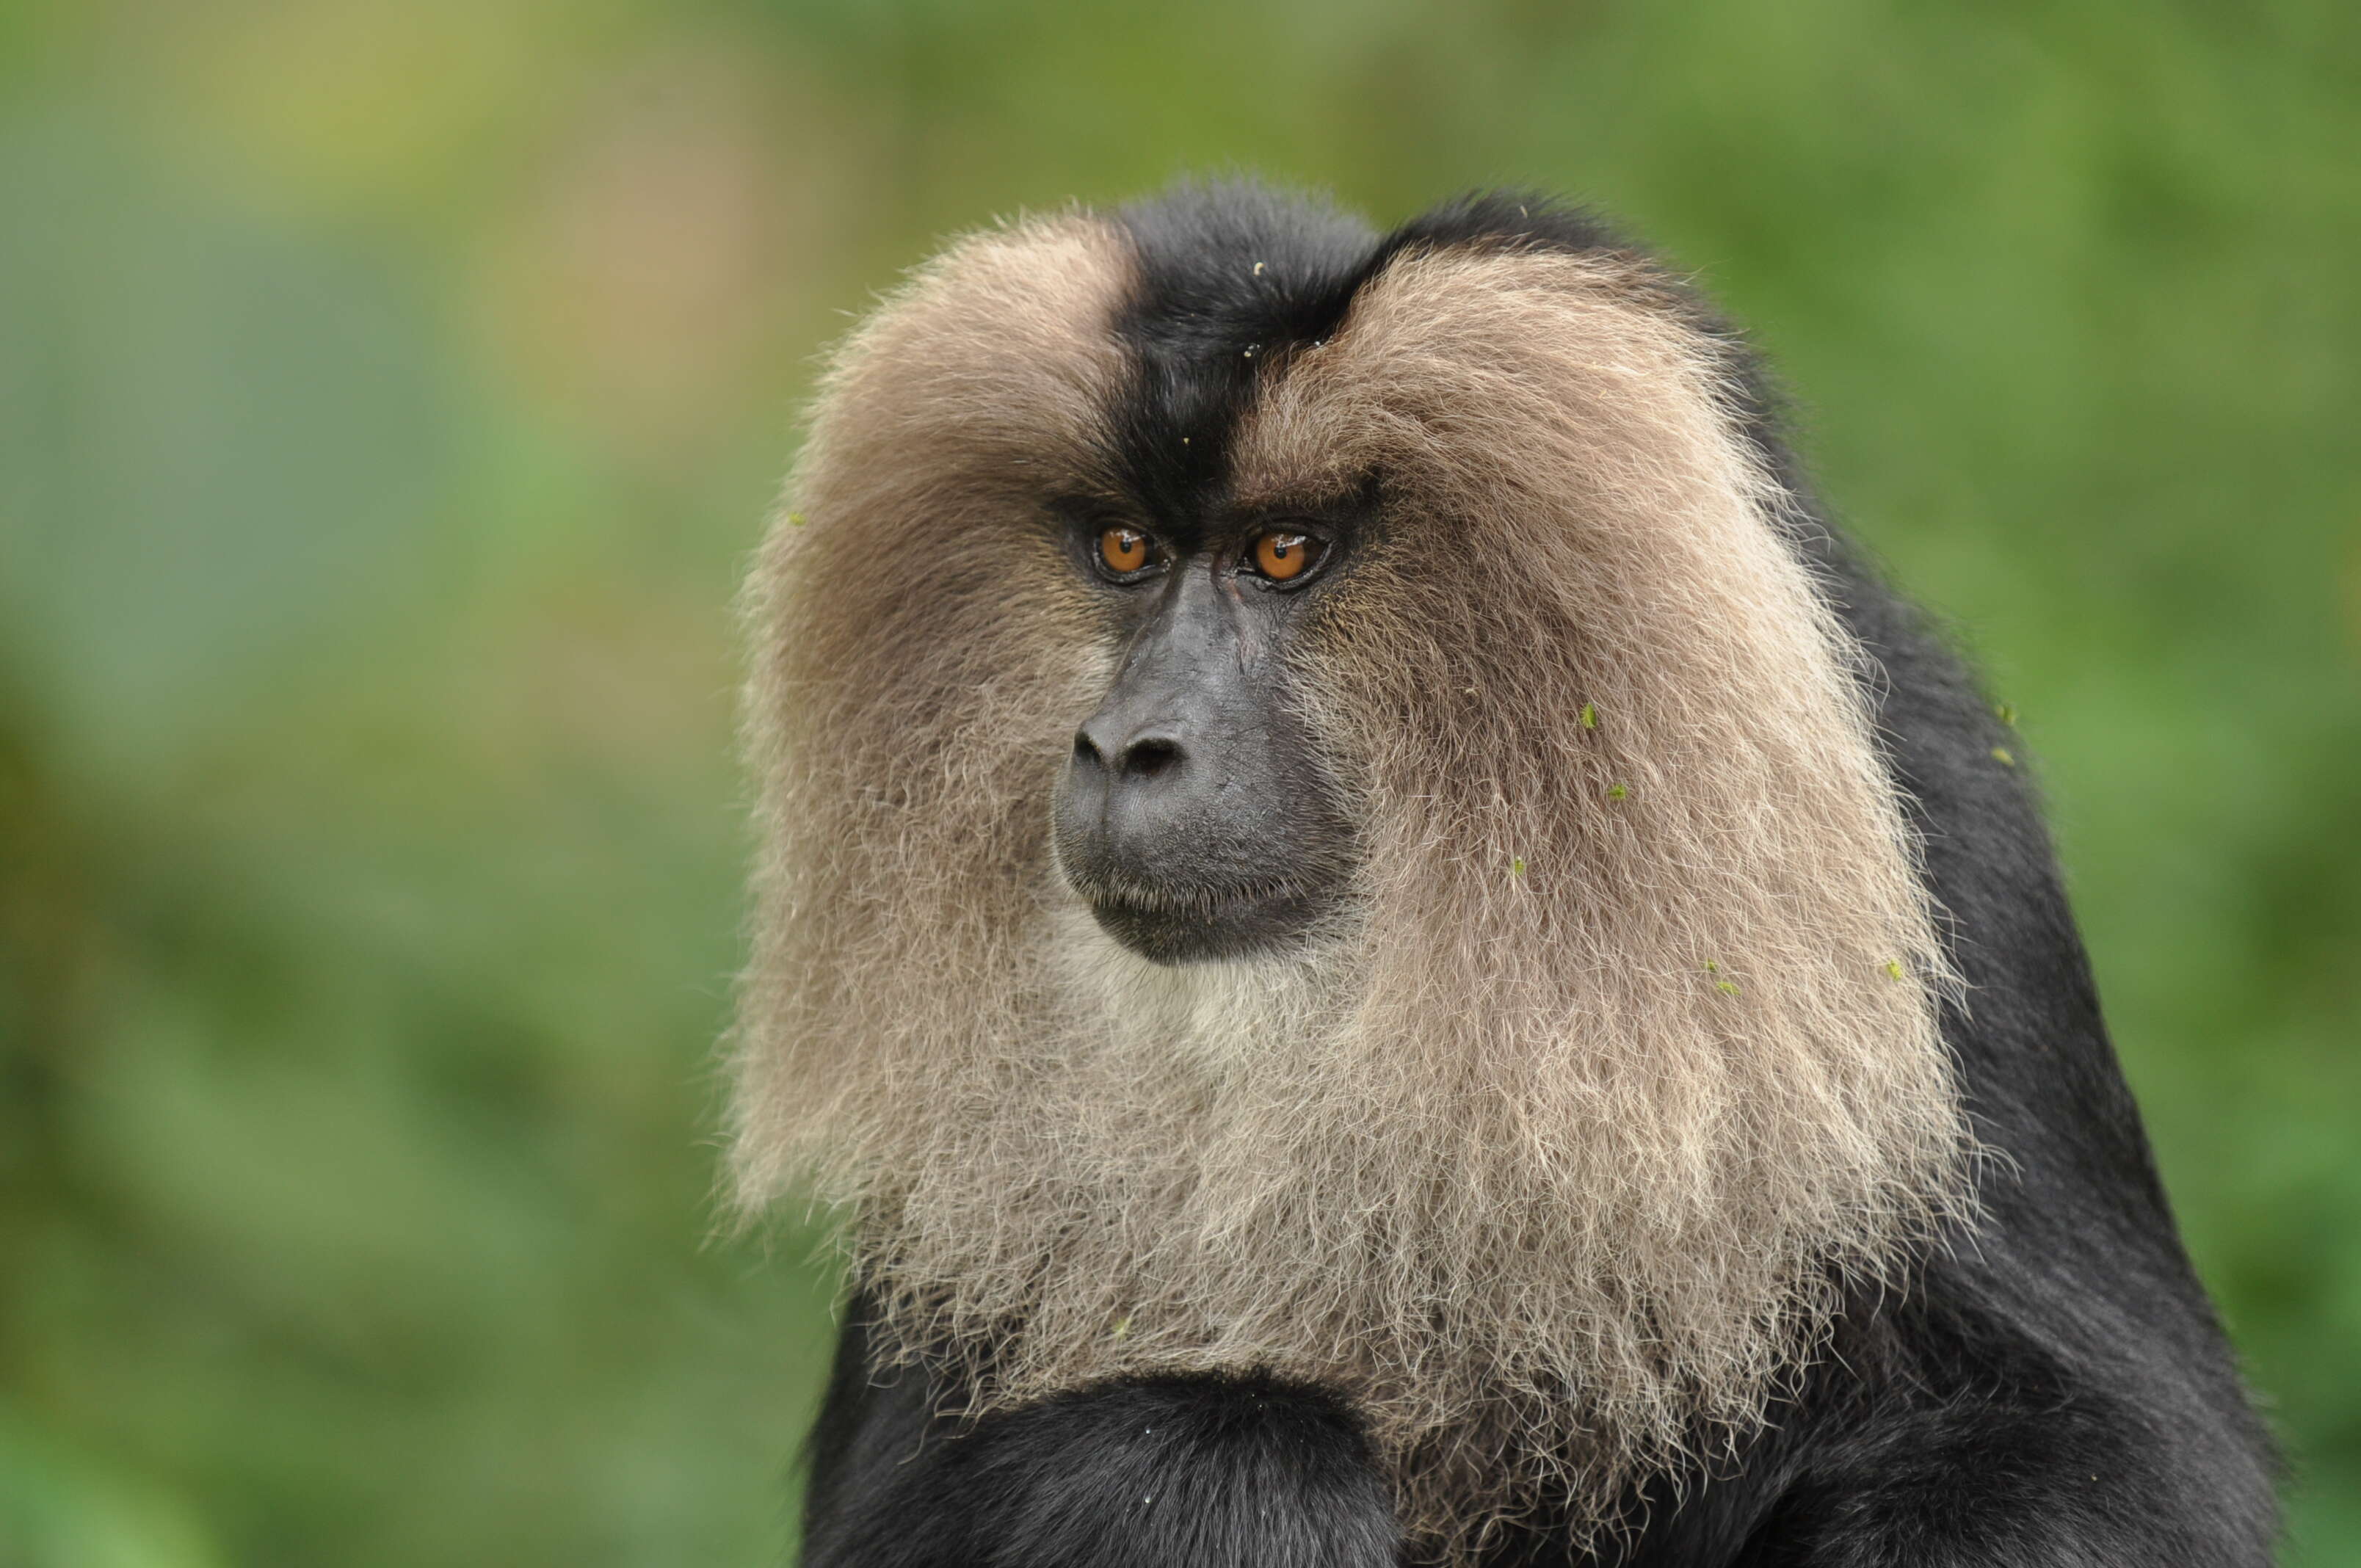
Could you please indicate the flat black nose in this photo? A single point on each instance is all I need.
(1135, 759)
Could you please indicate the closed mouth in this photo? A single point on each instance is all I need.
(1182, 924)
(1166, 901)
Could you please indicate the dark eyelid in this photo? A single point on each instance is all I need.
(1092, 533)
(1322, 539)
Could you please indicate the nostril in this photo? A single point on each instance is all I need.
(1148, 758)
(1086, 752)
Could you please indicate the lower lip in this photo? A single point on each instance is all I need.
(1232, 927)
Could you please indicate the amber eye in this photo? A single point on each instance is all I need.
(1123, 551)
(1283, 557)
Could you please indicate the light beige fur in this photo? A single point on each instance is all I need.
(1552, 1154)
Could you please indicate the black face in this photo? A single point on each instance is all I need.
(1194, 814)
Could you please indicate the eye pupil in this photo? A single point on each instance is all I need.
(1284, 556)
(1123, 550)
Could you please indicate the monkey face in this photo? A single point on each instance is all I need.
(1195, 814)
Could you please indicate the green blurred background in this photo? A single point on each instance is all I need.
(389, 393)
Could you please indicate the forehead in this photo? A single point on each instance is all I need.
(1128, 356)
(1235, 292)
(1226, 287)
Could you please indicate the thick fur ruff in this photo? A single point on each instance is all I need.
(1555, 1153)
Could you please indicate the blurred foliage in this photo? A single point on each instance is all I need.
(389, 392)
